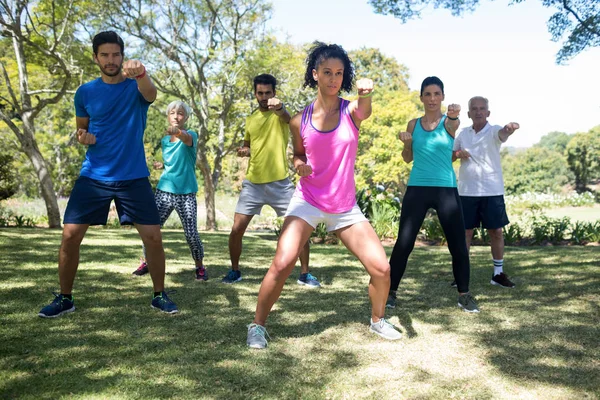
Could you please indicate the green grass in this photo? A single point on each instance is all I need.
(539, 341)
(588, 214)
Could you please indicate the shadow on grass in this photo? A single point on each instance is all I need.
(115, 345)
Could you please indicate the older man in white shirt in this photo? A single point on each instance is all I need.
(480, 183)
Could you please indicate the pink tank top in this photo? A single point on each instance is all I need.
(331, 155)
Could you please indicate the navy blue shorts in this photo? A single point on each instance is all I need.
(90, 202)
(489, 212)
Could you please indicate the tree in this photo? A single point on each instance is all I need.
(378, 159)
(41, 36)
(555, 141)
(583, 157)
(195, 52)
(536, 169)
(578, 20)
(8, 179)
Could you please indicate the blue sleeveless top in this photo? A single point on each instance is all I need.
(432, 157)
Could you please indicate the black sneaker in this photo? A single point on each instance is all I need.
(141, 270)
(391, 300)
(163, 303)
(61, 305)
(502, 280)
(201, 274)
(232, 277)
(453, 284)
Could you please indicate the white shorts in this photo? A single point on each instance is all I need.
(313, 216)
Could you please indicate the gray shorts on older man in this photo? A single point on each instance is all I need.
(256, 195)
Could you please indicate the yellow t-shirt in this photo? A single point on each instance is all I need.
(268, 136)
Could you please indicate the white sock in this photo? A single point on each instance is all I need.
(498, 264)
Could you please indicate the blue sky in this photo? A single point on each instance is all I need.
(501, 52)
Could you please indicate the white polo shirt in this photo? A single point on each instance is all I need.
(481, 174)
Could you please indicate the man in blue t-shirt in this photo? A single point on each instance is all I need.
(111, 116)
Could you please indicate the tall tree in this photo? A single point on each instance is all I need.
(583, 157)
(41, 37)
(555, 141)
(378, 160)
(578, 20)
(195, 52)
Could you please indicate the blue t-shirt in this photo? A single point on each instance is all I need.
(179, 159)
(117, 114)
(432, 157)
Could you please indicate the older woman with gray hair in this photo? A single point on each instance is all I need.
(177, 187)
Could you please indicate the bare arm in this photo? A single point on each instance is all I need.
(83, 136)
(136, 70)
(406, 137)
(299, 152)
(509, 129)
(279, 109)
(181, 134)
(362, 108)
(452, 122)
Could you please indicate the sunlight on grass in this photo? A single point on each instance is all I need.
(537, 341)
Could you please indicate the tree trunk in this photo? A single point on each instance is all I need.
(209, 190)
(30, 148)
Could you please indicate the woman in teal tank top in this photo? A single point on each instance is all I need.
(428, 144)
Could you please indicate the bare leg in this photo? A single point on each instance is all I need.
(469, 238)
(294, 233)
(363, 242)
(304, 257)
(155, 254)
(497, 239)
(240, 223)
(68, 256)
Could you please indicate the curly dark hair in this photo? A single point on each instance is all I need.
(320, 52)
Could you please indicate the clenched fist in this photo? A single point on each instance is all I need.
(274, 104)
(453, 111)
(173, 130)
(364, 86)
(406, 137)
(243, 151)
(84, 137)
(132, 68)
(511, 127)
(304, 170)
(462, 154)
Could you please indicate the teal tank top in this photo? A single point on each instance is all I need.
(179, 159)
(432, 157)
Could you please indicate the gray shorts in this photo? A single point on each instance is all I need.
(255, 195)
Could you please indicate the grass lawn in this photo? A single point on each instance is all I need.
(589, 214)
(538, 341)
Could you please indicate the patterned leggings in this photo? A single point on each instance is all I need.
(185, 205)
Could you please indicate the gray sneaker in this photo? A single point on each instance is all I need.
(256, 336)
(385, 330)
(467, 303)
(391, 300)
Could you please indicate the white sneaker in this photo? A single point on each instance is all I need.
(256, 336)
(385, 330)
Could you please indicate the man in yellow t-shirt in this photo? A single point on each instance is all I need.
(267, 181)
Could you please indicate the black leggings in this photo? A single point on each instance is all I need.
(445, 201)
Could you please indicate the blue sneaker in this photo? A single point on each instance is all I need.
(163, 303)
(201, 274)
(61, 305)
(308, 280)
(232, 277)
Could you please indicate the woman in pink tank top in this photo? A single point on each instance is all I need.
(325, 138)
